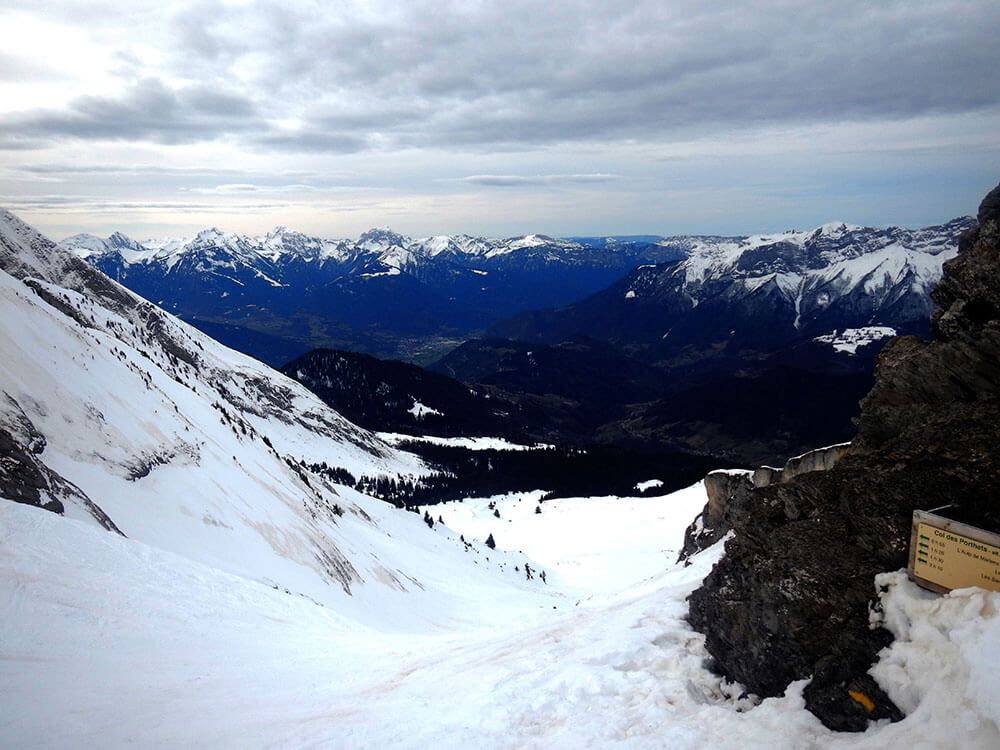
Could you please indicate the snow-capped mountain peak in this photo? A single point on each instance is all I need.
(475, 282)
(835, 229)
(764, 290)
(118, 239)
(213, 234)
(85, 245)
(379, 238)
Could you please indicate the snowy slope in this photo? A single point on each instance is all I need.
(586, 546)
(138, 423)
(852, 339)
(168, 652)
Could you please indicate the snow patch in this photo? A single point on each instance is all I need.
(648, 485)
(852, 339)
(471, 443)
(419, 410)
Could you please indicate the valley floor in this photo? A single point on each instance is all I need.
(106, 642)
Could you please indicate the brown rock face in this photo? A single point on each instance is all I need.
(790, 599)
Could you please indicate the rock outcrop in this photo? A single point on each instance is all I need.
(821, 459)
(790, 600)
(728, 490)
(24, 477)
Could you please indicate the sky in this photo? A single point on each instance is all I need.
(496, 118)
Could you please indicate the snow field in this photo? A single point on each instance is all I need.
(168, 652)
(586, 546)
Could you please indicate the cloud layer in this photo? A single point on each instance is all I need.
(568, 90)
(517, 75)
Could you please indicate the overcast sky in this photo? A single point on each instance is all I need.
(496, 118)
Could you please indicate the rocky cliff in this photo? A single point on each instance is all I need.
(790, 600)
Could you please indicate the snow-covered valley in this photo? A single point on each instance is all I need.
(110, 642)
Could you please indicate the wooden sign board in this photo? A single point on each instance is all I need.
(946, 554)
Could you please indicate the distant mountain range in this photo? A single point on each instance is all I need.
(759, 293)
(281, 294)
(278, 295)
(749, 348)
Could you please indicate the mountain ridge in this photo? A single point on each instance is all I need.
(283, 293)
(281, 240)
(759, 292)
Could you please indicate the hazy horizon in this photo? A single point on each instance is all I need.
(191, 235)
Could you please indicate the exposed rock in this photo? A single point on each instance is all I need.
(725, 489)
(24, 477)
(821, 459)
(728, 490)
(791, 597)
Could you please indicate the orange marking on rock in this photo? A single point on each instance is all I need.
(863, 699)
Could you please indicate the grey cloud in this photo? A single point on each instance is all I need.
(313, 139)
(76, 203)
(148, 110)
(122, 169)
(245, 188)
(92, 11)
(46, 170)
(19, 69)
(519, 74)
(19, 142)
(496, 180)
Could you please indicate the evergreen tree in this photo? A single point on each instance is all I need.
(490, 542)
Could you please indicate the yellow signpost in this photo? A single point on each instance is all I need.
(947, 554)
